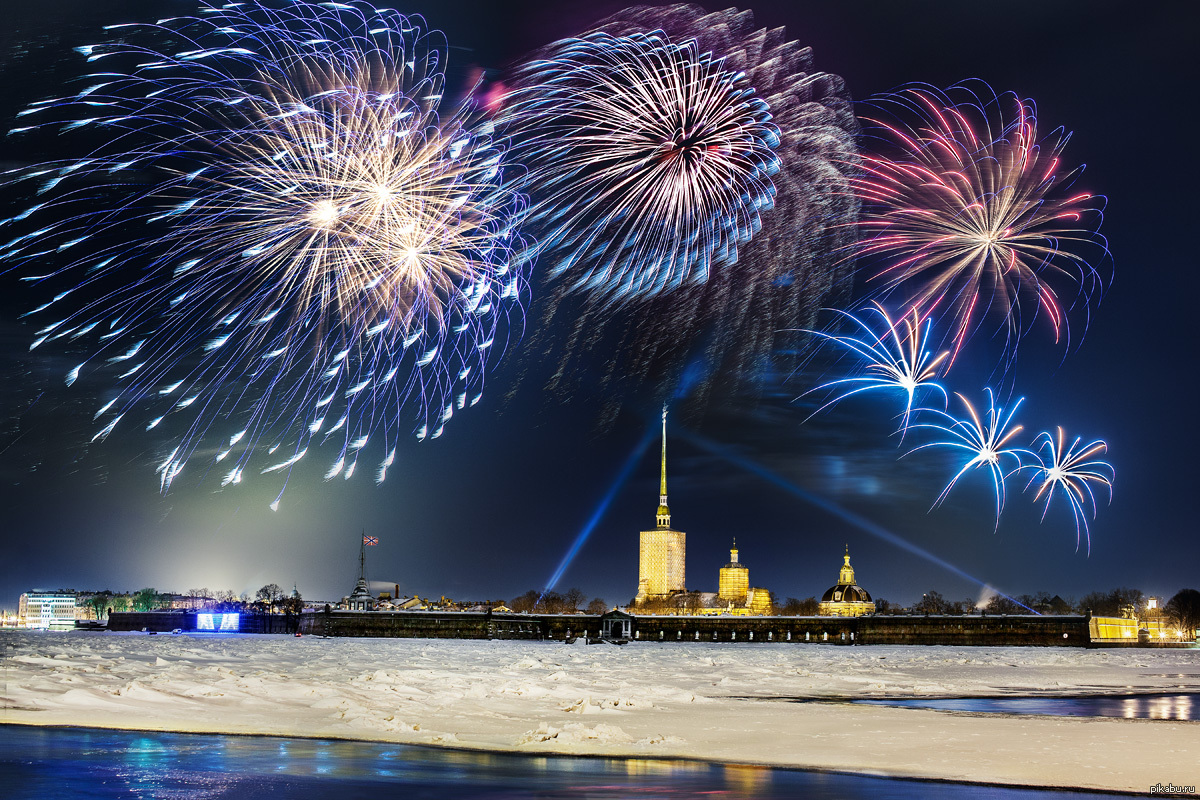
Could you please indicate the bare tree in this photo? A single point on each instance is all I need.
(269, 596)
(1184, 611)
(963, 607)
(883, 606)
(525, 603)
(1110, 604)
(1001, 604)
(198, 598)
(932, 603)
(799, 608)
(574, 598)
(597, 606)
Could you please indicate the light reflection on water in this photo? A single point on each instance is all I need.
(1167, 706)
(89, 764)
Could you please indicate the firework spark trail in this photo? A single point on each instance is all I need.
(899, 358)
(1070, 471)
(316, 249)
(985, 438)
(967, 212)
(742, 314)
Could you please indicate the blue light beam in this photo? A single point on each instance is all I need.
(598, 514)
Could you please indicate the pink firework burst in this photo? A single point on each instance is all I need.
(967, 214)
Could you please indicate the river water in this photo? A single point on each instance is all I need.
(1147, 706)
(76, 763)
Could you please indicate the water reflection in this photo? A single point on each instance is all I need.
(1177, 706)
(1168, 706)
(78, 763)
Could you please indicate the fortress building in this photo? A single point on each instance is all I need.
(662, 550)
(846, 599)
(734, 581)
(734, 592)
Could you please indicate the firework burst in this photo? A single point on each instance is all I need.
(279, 233)
(1071, 471)
(649, 161)
(986, 440)
(968, 212)
(896, 359)
(696, 295)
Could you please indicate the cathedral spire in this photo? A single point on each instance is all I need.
(664, 512)
(846, 574)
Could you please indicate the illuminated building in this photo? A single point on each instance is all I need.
(47, 610)
(662, 550)
(758, 601)
(846, 599)
(734, 581)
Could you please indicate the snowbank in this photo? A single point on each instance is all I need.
(727, 702)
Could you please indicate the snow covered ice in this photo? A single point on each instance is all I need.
(725, 702)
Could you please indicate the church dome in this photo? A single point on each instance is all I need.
(845, 598)
(846, 594)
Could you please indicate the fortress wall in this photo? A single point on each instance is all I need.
(1071, 631)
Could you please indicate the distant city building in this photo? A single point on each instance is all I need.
(734, 582)
(180, 602)
(847, 598)
(662, 551)
(361, 598)
(47, 610)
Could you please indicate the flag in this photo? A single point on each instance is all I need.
(370, 540)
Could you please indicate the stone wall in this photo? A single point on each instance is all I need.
(983, 630)
(157, 621)
(1069, 631)
(423, 625)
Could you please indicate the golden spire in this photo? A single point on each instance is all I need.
(664, 513)
(846, 574)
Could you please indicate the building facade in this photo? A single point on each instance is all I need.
(662, 551)
(846, 598)
(759, 601)
(47, 610)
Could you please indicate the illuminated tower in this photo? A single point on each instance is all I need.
(661, 555)
(734, 581)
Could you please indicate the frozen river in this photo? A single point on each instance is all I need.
(731, 703)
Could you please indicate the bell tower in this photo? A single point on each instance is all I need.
(662, 551)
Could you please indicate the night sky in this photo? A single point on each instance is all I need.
(490, 509)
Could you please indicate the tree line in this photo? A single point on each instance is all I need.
(1183, 608)
(269, 599)
(569, 602)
